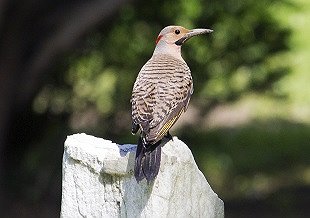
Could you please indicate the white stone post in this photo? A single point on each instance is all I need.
(98, 181)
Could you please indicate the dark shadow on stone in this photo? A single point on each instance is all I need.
(125, 148)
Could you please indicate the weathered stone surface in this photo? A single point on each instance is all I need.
(98, 181)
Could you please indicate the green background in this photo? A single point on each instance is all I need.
(248, 124)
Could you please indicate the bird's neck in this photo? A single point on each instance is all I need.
(168, 49)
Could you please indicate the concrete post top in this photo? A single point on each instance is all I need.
(98, 181)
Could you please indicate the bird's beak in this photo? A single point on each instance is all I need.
(196, 32)
(191, 33)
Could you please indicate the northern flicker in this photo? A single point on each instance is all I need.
(160, 95)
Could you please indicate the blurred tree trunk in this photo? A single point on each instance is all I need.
(32, 34)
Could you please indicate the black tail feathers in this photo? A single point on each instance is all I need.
(148, 158)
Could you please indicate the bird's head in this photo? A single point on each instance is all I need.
(171, 38)
(178, 35)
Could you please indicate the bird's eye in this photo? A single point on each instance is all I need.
(177, 32)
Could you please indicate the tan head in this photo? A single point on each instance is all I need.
(171, 38)
(178, 34)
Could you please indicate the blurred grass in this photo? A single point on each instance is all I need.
(255, 159)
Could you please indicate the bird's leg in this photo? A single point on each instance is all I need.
(166, 139)
(168, 136)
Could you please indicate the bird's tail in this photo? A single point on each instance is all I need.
(147, 160)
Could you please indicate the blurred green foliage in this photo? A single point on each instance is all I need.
(243, 54)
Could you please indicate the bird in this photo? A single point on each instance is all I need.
(160, 94)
